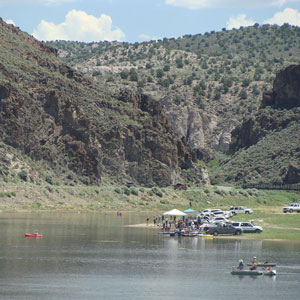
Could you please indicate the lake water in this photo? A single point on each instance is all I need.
(94, 256)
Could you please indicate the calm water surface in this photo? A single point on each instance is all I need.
(94, 256)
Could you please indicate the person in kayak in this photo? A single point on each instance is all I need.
(241, 264)
(254, 264)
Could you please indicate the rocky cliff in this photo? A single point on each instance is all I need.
(66, 123)
(278, 109)
(207, 82)
(267, 143)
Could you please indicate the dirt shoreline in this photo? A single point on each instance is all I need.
(227, 237)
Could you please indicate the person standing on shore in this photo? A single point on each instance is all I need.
(147, 221)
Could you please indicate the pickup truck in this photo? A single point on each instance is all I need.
(247, 227)
(240, 209)
(292, 207)
(223, 228)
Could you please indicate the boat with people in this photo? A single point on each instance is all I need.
(266, 264)
(33, 235)
(237, 271)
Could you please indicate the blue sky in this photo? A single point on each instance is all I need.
(139, 20)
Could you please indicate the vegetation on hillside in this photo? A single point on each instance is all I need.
(222, 75)
(62, 121)
(227, 70)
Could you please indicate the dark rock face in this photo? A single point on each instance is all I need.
(293, 175)
(59, 117)
(151, 154)
(274, 134)
(4, 92)
(286, 89)
(270, 117)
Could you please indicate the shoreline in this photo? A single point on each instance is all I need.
(244, 236)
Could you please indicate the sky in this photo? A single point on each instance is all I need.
(141, 20)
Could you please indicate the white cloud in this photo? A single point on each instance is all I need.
(10, 22)
(144, 37)
(199, 4)
(240, 20)
(288, 15)
(79, 26)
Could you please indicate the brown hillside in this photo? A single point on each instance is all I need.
(61, 119)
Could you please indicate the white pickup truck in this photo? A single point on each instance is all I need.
(240, 209)
(293, 207)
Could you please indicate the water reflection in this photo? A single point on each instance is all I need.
(92, 256)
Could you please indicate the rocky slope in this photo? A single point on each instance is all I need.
(266, 146)
(207, 82)
(69, 127)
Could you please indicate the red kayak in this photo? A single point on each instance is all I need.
(33, 235)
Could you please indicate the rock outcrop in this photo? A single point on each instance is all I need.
(271, 116)
(268, 142)
(60, 118)
(286, 89)
(292, 175)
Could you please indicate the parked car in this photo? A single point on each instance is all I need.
(224, 228)
(247, 227)
(205, 226)
(292, 207)
(220, 219)
(240, 209)
(218, 213)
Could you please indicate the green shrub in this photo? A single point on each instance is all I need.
(118, 190)
(220, 192)
(49, 178)
(23, 175)
(229, 177)
(37, 205)
(85, 180)
(49, 188)
(157, 191)
(142, 190)
(214, 181)
(70, 176)
(126, 190)
(233, 193)
(134, 191)
(213, 163)
(243, 193)
(164, 202)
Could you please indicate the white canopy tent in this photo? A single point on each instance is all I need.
(174, 212)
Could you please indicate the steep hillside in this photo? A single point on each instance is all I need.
(70, 128)
(266, 146)
(207, 83)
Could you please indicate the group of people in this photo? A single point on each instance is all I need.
(179, 225)
(253, 264)
(252, 267)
